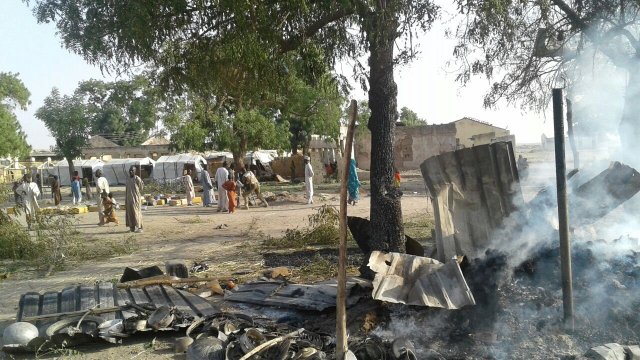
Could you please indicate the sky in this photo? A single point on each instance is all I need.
(426, 86)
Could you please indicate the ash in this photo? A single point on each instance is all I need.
(519, 311)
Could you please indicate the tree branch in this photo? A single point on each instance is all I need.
(294, 42)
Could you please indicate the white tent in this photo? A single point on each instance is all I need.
(172, 166)
(116, 171)
(85, 168)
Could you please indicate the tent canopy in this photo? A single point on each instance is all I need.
(116, 171)
(86, 168)
(172, 166)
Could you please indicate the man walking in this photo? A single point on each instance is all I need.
(29, 191)
(102, 185)
(133, 204)
(222, 175)
(308, 179)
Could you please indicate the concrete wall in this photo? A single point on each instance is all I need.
(412, 145)
(473, 133)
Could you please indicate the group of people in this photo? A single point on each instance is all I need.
(231, 185)
(132, 201)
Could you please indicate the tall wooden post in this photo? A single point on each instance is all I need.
(341, 307)
(563, 211)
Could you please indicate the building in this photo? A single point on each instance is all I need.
(414, 144)
(472, 132)
(105, 149)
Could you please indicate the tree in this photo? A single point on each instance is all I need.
(533, 46)
(185, 37)
(312, 110)
(67, 120)
(122, 111)
(13, 94)
(409, 118)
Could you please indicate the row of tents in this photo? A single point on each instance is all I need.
(116, 171)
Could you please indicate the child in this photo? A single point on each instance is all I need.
(76, 189)
(396, 179)
(230, 186)
(109, 208)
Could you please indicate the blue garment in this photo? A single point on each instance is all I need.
(207, 189)
(353, 183)
(76, 189)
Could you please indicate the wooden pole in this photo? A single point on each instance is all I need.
(572, 138)
(341, 307)
(563, 211)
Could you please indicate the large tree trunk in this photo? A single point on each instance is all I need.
(629, 129)
(72, 168)
(387, 232)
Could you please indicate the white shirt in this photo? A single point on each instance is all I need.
(222, 175)
(308, 171)
(102, 184)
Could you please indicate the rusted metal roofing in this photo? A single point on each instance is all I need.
(85, 297)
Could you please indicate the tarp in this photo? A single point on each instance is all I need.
(117, 170)
(417, 280)
(170, 167)
(61, 169)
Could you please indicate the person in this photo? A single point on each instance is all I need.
(230, 187)
(251, 186)
(17, 197)
(29, 191)
(308, 179)
(523, 166)
(55, 191)
(76, 188)
(39, 185)
(133, 203)
(102, 185)
(87, 187)
(396, 179)
(222, 175)
(353, 183)
(109, 208)
(207, 188)
(187, 182)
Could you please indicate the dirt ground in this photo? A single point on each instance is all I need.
(226, 242)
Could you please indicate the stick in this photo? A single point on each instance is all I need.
(270, 343)
(165, 281)
(341, 308)
(74, 313)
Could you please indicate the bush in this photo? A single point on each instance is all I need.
(323, 229)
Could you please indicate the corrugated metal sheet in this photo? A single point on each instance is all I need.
(472, 190)
(84, 297)
(417, 280)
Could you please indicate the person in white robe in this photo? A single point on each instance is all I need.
(222, 175)
(187, 181)
(308, 179)
(30, 193)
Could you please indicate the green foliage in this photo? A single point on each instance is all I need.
(250, 130)
(13, 94)
(67, 120)
(122, 111)
(312, 110)
(409, 118)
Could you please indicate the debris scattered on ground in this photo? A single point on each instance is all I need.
(415, 280)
